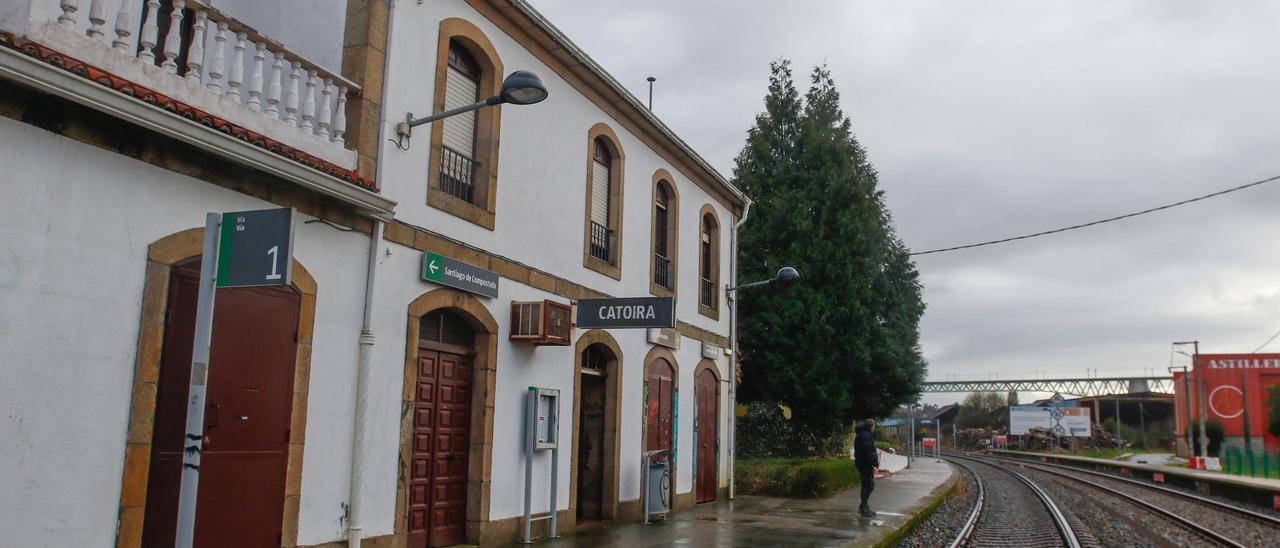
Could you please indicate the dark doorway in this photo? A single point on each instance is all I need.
(250, 393)
(591, 439)
(441, 431)
(708, 438)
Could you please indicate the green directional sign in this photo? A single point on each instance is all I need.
(454, 273)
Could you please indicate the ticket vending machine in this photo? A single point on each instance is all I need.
(542, 426)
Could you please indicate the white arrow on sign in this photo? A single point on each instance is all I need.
(433, 267)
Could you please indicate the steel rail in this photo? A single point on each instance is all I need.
(1059, 519)
(969, 525)
(1217, 505)
(1150, 507)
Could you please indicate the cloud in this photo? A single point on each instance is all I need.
(993, 119)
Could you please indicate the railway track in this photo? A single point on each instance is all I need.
(1011, 510)
(1213, 521)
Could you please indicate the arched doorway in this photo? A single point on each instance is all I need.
(441, 430)
(447, 421)
(245, 457)
(660, 393)
(707, 392)
(597, 386)
(281, 352)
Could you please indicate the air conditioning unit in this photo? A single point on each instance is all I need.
(541, 322)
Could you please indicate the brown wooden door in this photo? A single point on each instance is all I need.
(708, 438)
(441, 434)
(250, 392)
(659, 406)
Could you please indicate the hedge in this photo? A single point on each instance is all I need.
(803, 478)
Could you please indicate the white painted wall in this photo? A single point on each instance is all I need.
(540, 214)
(74, 229)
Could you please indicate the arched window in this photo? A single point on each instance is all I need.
(458, 149)
(462, 173)
(603, 231)
(708, 264)
(665, 236)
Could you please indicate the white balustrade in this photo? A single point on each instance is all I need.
(195, 53)
(291, 96)
(69, 9)
(124, 27)
(173, 40)
(150, 32)
(326, 114)
(255, 77)
(97, 18)
(281, 84)
(340, 117)
(218, 65)
(309, 102)
(236, 79)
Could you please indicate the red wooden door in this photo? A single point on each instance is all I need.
(659, 406)
(250, 392)
(441, 434)
(708, 434)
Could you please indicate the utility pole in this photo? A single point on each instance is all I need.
(1195, 363)
(911, 431)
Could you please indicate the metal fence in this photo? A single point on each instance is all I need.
(457, 173)
(662, 271)
(1258, 464)
(601, 242)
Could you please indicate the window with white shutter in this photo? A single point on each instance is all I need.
(457, 154)
(601, 179)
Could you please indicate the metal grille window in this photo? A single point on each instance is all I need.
(601, 185)
(707, 270)
(457, 151)
(661, 235)
(445, 327)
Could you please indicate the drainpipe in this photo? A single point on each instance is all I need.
(360, 430)
(733, 339)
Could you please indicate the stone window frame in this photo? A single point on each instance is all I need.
(660, 178)
(483, 210)
(713, 310)
(612, 426)
(162, 256)
(602, 131)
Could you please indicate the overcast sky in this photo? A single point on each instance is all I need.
(992, 119)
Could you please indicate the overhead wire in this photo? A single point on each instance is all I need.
(1264, 345)
(1101, 221)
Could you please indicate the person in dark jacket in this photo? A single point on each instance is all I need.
(866, 459)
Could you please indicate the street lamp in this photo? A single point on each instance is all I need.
(520, 88)
(1195, 368)
(785, 274)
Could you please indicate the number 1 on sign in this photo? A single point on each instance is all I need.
(274, 252)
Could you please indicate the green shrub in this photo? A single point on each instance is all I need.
(795, 477)
(886, 445)
(764, 432)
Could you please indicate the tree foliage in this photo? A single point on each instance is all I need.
(843, 342)
(983, 410)
(1273, 410)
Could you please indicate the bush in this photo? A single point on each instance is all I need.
(764, 432)
(795, 477)
(885, 445)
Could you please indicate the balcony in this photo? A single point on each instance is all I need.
(662, 271)
(457, 174)
(197, 62)
(601, 242)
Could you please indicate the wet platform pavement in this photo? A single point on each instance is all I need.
(765, 521)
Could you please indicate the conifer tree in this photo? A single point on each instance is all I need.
(843, 342)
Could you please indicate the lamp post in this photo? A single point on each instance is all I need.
(785, 274)
(519, 88)
(1195, 368)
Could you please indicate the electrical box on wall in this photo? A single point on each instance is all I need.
(543, 322)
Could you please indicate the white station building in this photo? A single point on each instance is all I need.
(380, 397)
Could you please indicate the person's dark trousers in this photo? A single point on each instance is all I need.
(868, 485)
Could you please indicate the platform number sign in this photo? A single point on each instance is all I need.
(255, 248)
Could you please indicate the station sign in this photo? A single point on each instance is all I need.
(664, 336)
(255, 248)
(459, 275)
(629, 312)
